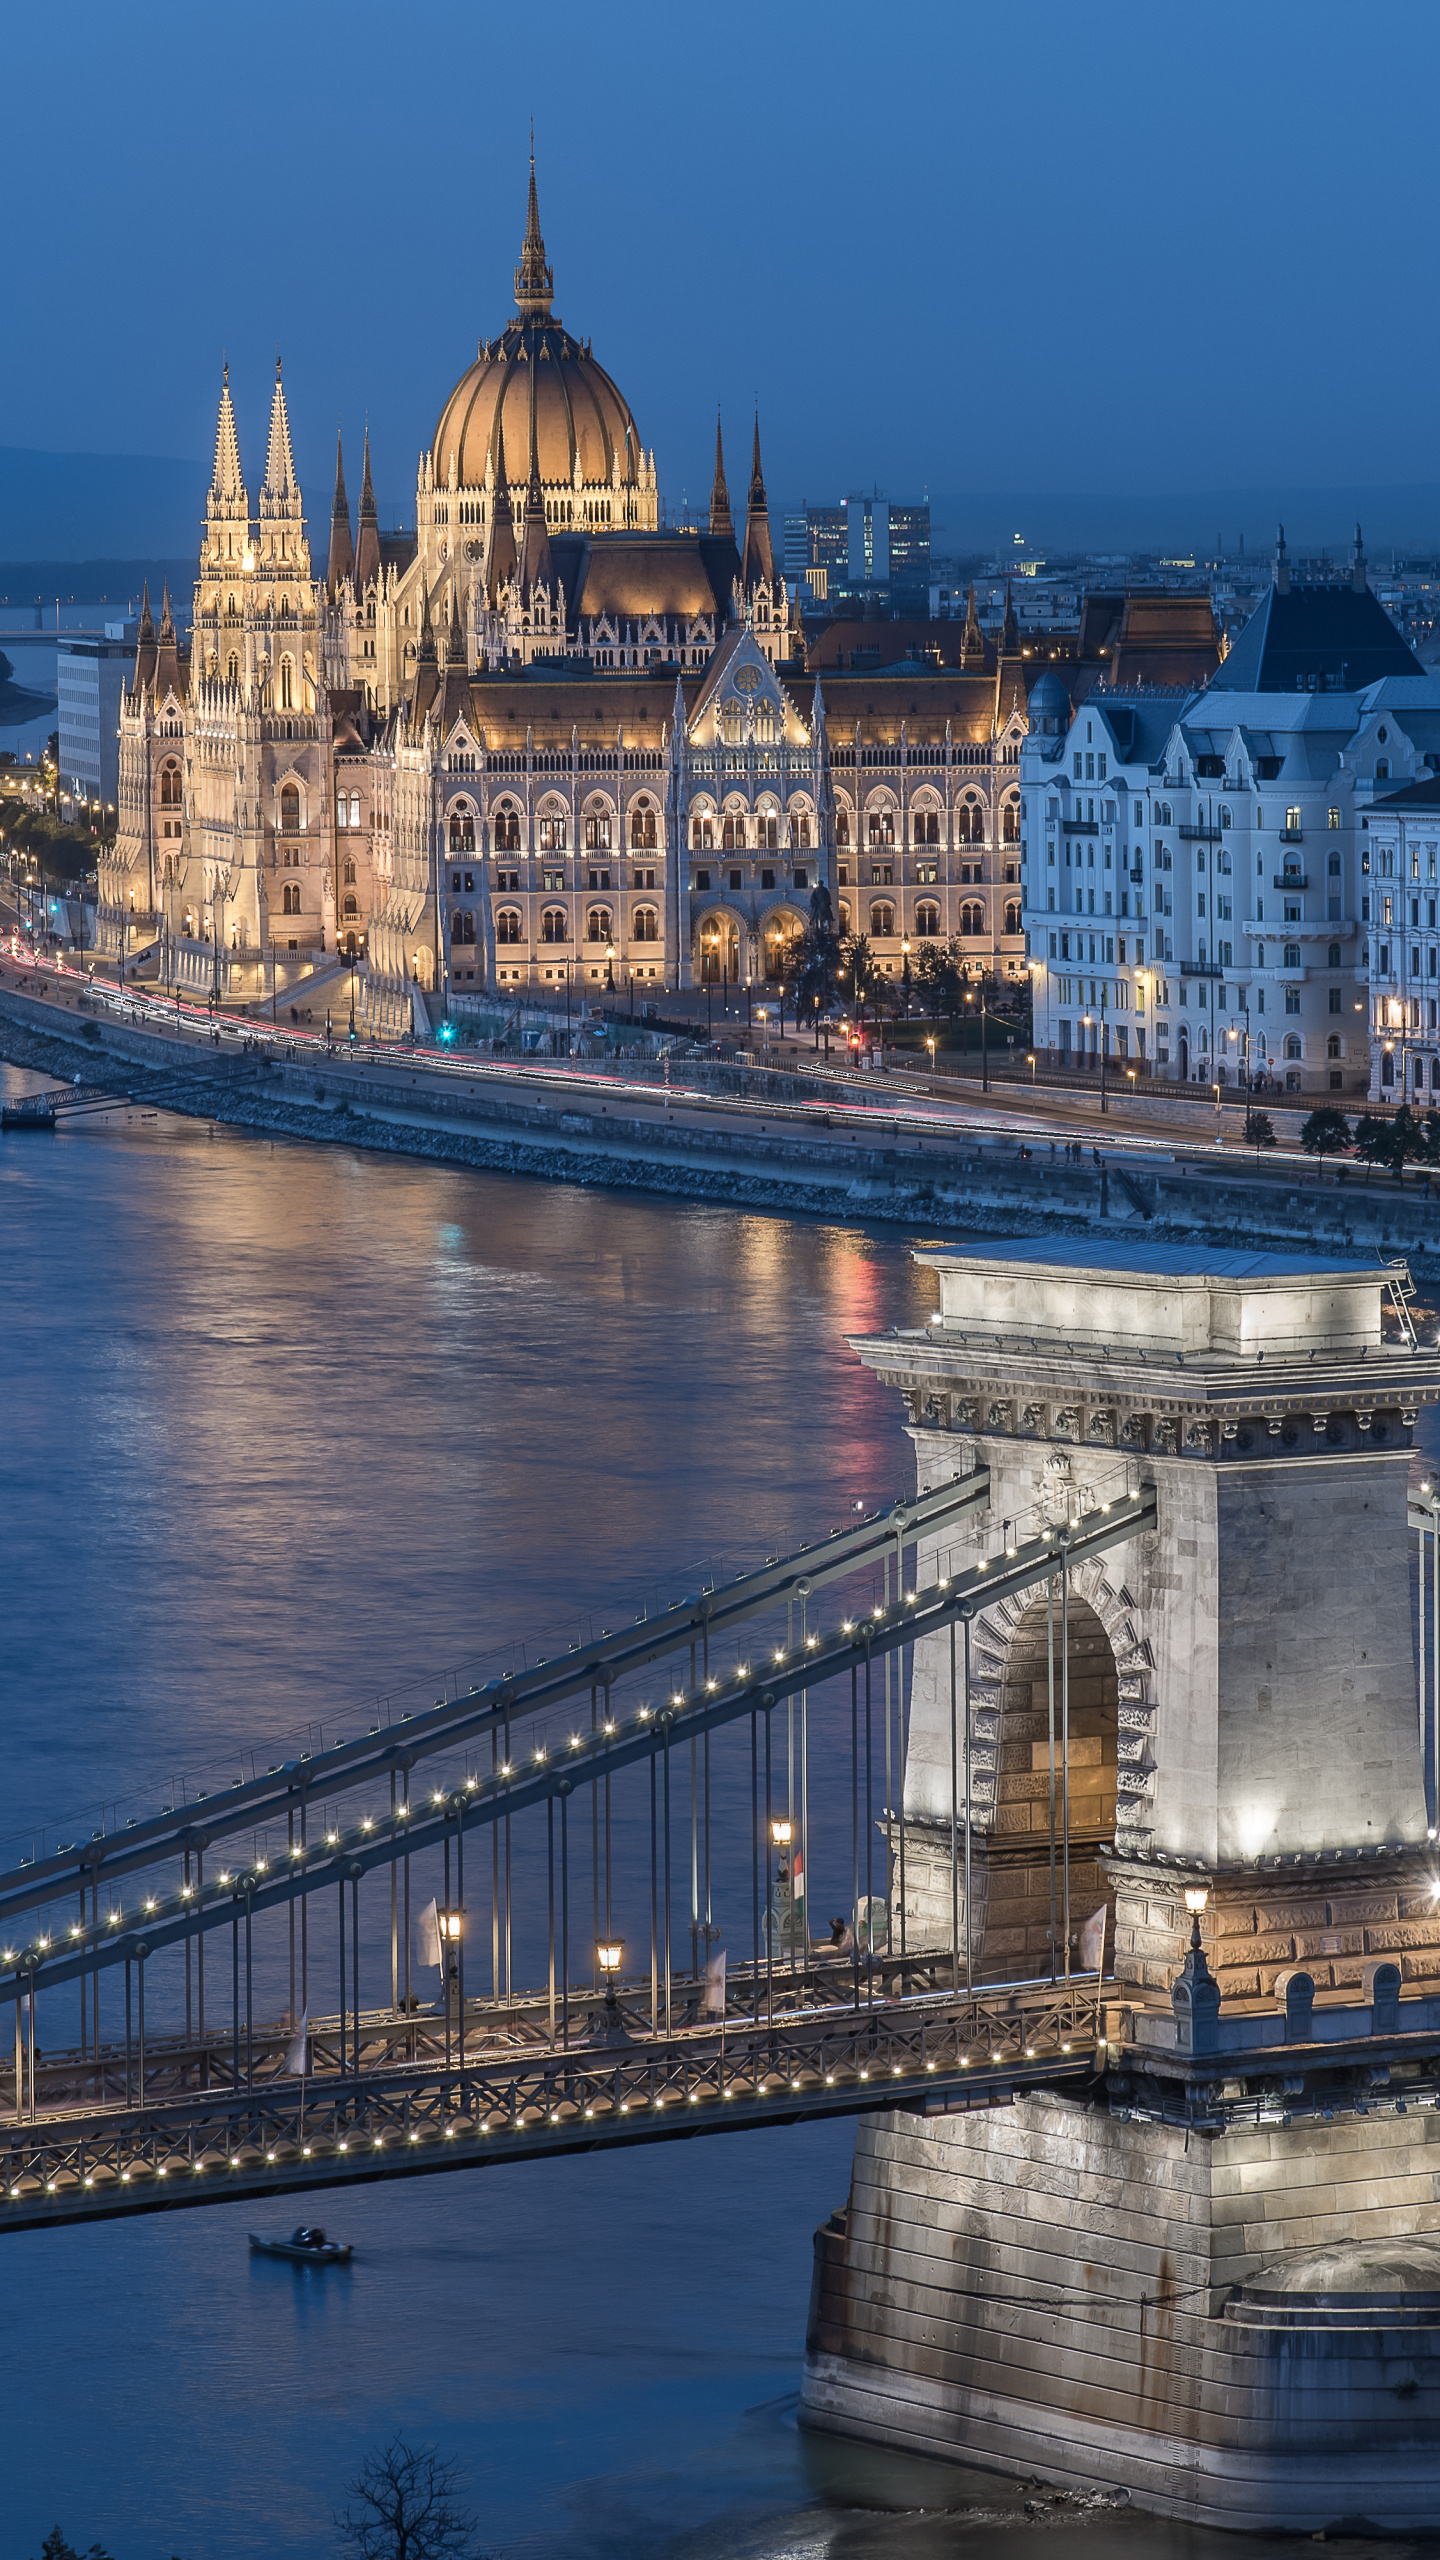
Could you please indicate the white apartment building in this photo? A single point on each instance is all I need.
(1199, 892)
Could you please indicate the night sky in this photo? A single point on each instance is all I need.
(949, 247)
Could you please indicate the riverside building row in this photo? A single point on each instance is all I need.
(1242, 882)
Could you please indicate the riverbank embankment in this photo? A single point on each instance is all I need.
(776, 1148)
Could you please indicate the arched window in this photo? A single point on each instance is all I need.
(882, 826)
(597, 831)
(1382, 770)
(882, 919)
(553, 926)
(232, 669)
(767, 832)
(1332, 957)
(291, 902)
(350, 868)
(642, 828)
(972, 919)
(727, 837)
(462, 830)
(647, 925)
(1292, 955)
(287, 684)
(702, 834)
(1011, 827)
(927, 919)
(598, 925)
(507, 828)
(1332, 1045)
(1292, 1046)
(507, 925)
(290, 809)
(844, 915)
(1012, 915)
(842, 826)
(462, 926)
(350, 910)
(170, 785)
(552, 832)
(927, 826)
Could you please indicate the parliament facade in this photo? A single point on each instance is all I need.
(545, 739)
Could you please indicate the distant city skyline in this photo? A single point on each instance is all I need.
(922, 309)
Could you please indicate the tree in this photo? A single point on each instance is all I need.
(1326, 1132)
(1259, 1131)
(857, 969)
(1372, 1140)
(407, 2509)
(817, 956)
(1430, 1131)
(55, 2547)
(1407, 1141)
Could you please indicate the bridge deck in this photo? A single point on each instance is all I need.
(411, 2107)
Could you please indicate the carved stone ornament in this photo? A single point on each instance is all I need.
(1164, 1435)
(998, 1417)
(1197, 1436)
(964, 1413)
(1032, 1417)
(1065, 1421)
(1132, 1431)
(1102, 1425)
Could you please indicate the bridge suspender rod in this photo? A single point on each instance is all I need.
(869, 1834)
(1050, 1729)
(954, 1823)
(969, 1820)
(844, 1648)
(459, 1720)
(1065, 1740)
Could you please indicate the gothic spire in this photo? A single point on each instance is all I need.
(535, 566)
(534, 278)
(342, 549)
(147, 619)
(227, 482)
(1010, 628)
(367, 550)
(280, 480)
(719, 495)
(758, 565)
(500, 562)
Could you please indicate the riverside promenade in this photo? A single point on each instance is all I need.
(833, 1144)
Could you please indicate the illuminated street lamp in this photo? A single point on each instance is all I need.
(1196, 1897)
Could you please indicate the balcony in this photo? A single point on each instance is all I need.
(1138, 872)
(1081, 826)
(1292, 835)
(1290, 879)
(1199, 835)
(1205, 969)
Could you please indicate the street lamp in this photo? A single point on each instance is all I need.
(609, 1956)
(930, 1045)
(1030, 1062)
(610, 967)
(1196, 1897)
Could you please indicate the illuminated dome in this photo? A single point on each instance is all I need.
(581, 422)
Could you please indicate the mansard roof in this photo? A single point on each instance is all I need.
(1424, 794)
(923, 699)
(1337, 638)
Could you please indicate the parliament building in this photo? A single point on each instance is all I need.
(546, 739)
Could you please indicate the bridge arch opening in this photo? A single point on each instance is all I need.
(1016, 1904)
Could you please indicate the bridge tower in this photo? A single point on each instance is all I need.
(1213, 2282)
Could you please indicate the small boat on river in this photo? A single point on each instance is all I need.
(307, 2247)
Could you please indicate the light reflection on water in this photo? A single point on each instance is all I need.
(284, 1425)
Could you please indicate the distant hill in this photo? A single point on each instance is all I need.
(80, 506)
(113, 584)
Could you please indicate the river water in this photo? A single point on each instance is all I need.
(285, 1426)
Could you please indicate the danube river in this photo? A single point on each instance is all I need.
(284, 1426)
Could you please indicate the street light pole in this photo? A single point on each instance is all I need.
(1104, 991)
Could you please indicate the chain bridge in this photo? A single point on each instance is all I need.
(603, 1861)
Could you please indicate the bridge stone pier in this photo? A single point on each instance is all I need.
(1213, 2281)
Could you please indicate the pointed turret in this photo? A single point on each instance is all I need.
(425, 654)
(534, 280)
(226, 481)
(719, 494)
(758, 564)
(535, 564)
(367, 549)
(144, 675)
(1359, 576)
(342, 549)
(280, 480)
(500, 562)
(1010, 628)
(167, 655)
(972, 639)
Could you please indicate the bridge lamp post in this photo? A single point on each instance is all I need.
(782, 1904)
(1196, 1897)
(609, 1956)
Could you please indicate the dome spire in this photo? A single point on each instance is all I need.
(534, 279)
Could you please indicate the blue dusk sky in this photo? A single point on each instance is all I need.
(1117, 250)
